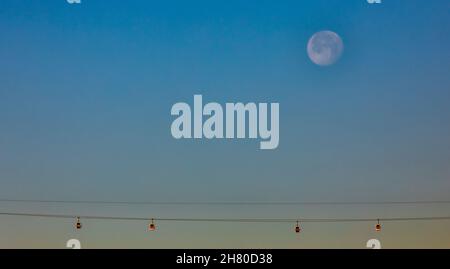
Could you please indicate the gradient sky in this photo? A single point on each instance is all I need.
(85, 98)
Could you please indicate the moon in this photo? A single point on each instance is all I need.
(325, 48)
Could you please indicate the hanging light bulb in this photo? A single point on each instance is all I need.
(297, 228)
(78, 225)
(152, 226)
(378, 226)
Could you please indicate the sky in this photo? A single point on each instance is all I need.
(85, 97)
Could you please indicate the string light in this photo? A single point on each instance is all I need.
(298, 229)
(241, 220)
(152, 225)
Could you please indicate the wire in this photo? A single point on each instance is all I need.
(239, 220)
(223, 203)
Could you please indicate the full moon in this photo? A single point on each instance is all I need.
(325, 48)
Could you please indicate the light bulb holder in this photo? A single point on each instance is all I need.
(152, 226)
(378, 226)
(297, 228)
(78, 225)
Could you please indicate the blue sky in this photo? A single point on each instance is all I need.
(86, 92)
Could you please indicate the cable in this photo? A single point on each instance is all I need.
(224, 203)
(238, 220)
